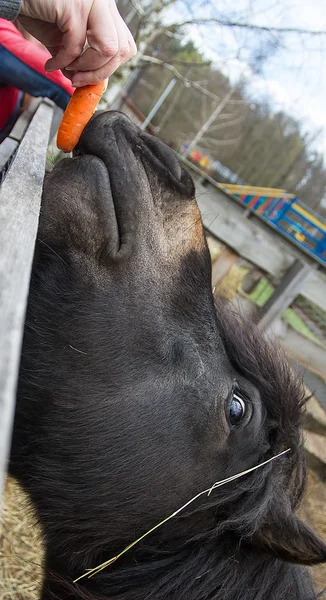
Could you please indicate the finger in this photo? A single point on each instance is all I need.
(72, 44)
(124, 33)
(132, 50)
(68, 74)
(127, 50)
(92, 59)
(102, 40)
(80, 78)
(119, 43)
(132, 45)
(127, 45)
(90, 77)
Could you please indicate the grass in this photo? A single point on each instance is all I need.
(263, 292)
(296, 323)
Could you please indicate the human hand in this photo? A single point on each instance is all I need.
(88, 39)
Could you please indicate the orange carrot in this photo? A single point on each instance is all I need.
(78, 112)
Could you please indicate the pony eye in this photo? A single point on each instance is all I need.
(237, 409)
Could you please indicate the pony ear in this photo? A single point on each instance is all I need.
(291, 540)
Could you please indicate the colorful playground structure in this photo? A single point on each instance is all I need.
(287, 214)
(280, 209)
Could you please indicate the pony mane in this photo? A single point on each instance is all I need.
(202, 572)
(282, 390)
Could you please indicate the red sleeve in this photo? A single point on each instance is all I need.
(9, 98)
(30, 54)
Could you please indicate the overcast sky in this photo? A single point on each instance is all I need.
(294, 78)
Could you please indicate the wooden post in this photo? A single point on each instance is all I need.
(20, 199)
(289, 288)
(222, 265)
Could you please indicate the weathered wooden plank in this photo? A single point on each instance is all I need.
(224, 220)
(20, 198)
(288, 289)
(205, 182)
(251, 240)
(7, 148)
(24, 120)
(57, 116)
(315, 289)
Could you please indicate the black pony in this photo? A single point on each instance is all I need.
(137, 392)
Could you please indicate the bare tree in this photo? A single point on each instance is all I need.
(255, 143)
(150, 20)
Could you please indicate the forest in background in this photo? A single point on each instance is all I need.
(261, 146)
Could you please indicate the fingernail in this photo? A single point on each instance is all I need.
(49, 70)
(70, 69)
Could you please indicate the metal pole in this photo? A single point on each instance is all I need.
(208, 123)
(130, 16)
(172, 105)
(158, 104)
(129, 87)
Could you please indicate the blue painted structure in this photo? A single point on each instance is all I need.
(287, 214)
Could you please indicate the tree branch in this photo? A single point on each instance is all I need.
(189, 64)
(138, 8)
(187, 83)
(241, 25)
(236, 121)
(215, 142)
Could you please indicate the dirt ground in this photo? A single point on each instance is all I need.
(21, 546)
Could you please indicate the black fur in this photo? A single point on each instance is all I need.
(126, 376)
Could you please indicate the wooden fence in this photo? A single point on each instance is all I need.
(23, 156)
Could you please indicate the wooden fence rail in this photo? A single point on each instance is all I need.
(20, 199)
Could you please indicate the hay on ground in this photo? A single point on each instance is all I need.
(21, 551)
